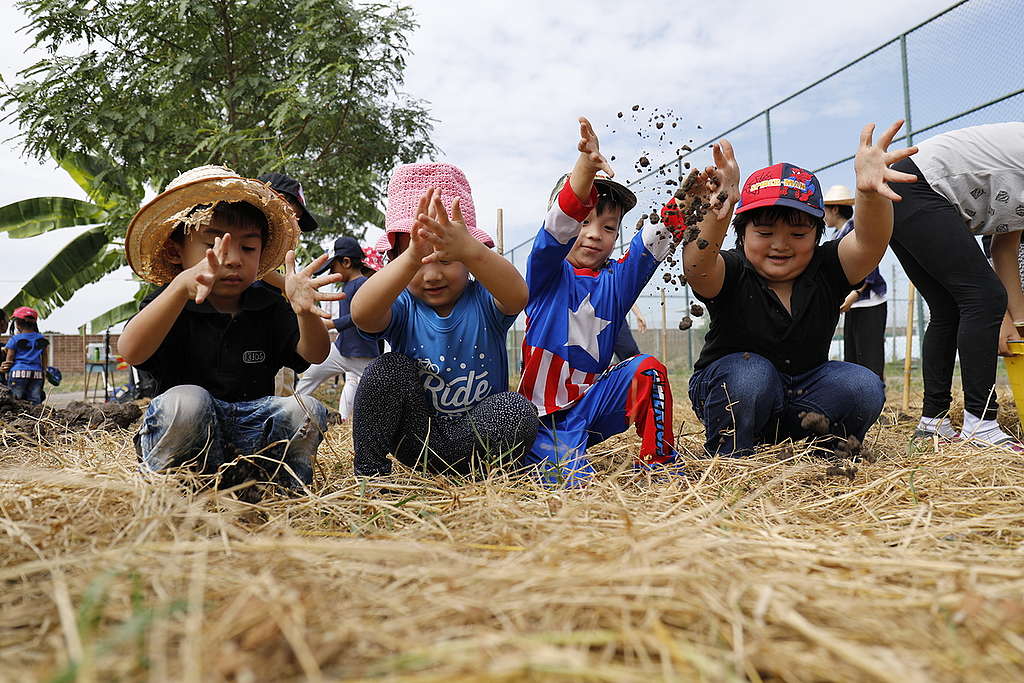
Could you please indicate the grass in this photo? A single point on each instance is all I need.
(760, 569)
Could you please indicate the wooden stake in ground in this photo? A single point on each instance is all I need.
(910, 347)
(664, 329)
(501, 231)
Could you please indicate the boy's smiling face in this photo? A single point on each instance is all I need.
(242, 259)
(781, 250)
(597, 238)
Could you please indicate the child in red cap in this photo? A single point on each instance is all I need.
(24, 362)
(439, 401)
(764, 374)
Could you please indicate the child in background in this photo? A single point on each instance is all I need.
(350, 353)
(439, 401)
(578, 303)
(213, 341)
(764, 374)
(24, 363)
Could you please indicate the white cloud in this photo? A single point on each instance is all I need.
(506, 81)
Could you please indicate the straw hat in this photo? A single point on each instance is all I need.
(839, 194)
(149, 231)
(410, 182)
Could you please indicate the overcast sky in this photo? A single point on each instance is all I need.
(506, 81)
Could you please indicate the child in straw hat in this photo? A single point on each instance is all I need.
(579, 299)
(440, 401)
(764, 373)
(213, 341)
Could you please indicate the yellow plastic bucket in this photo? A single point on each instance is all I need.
(1015, 372)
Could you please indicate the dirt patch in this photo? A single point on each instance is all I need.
(27, 422)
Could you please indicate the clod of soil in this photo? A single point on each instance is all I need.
(814, 422)
(619, 114)
(686, 323)
(636, 107)
(644, 162)
(702, 243)
(654, 217)
(696, 310)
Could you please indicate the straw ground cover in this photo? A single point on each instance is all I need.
(759, 569)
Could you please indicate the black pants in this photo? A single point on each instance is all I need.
(966, 299)
(864, 338)
(391, 415)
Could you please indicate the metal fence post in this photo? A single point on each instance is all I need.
(768, 129)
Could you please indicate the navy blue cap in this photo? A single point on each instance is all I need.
(343, 247)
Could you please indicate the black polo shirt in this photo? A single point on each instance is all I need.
(747, 316)
(234, 357)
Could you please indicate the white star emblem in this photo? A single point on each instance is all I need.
(584, 326)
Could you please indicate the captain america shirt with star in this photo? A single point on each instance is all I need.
(574, 314)
(461, 356)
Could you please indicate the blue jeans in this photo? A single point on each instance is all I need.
(743, 401)
(26, 389)
(272, 438)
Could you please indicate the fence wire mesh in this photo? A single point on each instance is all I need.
(962, 67)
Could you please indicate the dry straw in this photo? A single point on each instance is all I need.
(758, 569)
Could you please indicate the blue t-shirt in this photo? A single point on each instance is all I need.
(462, 356)
(350, 343)
(28, 350)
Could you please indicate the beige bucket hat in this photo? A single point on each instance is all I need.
(839, 194)
(150, 229)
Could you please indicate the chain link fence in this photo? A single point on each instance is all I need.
(962, 67)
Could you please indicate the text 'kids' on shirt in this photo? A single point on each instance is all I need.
(236, 357)
(462, 356)
(748, 317)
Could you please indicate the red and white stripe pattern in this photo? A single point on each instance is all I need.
(548, 381)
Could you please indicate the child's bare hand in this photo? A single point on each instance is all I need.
(873, 160)
(6, 365)
(590, 148)
(716, 188)
(449, 237)
(723, 177)
(419, 245)
(200, 279)
(300, 288)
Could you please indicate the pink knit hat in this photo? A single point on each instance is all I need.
(410, 182)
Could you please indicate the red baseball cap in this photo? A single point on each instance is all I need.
(26, 313)
(782, 185)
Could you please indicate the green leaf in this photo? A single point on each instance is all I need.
(31, 217)
(82, 261)
(99, 180)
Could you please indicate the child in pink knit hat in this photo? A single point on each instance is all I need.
(439, 401)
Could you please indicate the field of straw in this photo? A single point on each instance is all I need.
(759, 569)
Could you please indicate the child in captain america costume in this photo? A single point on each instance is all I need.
(578, 301)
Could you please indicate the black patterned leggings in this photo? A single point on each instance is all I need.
(391, 415)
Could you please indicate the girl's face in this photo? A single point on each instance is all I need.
(440, 284)
(780, 251)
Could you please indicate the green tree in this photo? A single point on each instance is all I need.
(142, 90)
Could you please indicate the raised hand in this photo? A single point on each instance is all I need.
(449, 237)
(300, 288)
(200, 278)
(419, 245)
(716, 188)
(590, 148)
(873, 160)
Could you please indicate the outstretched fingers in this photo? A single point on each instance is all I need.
(889, 134)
